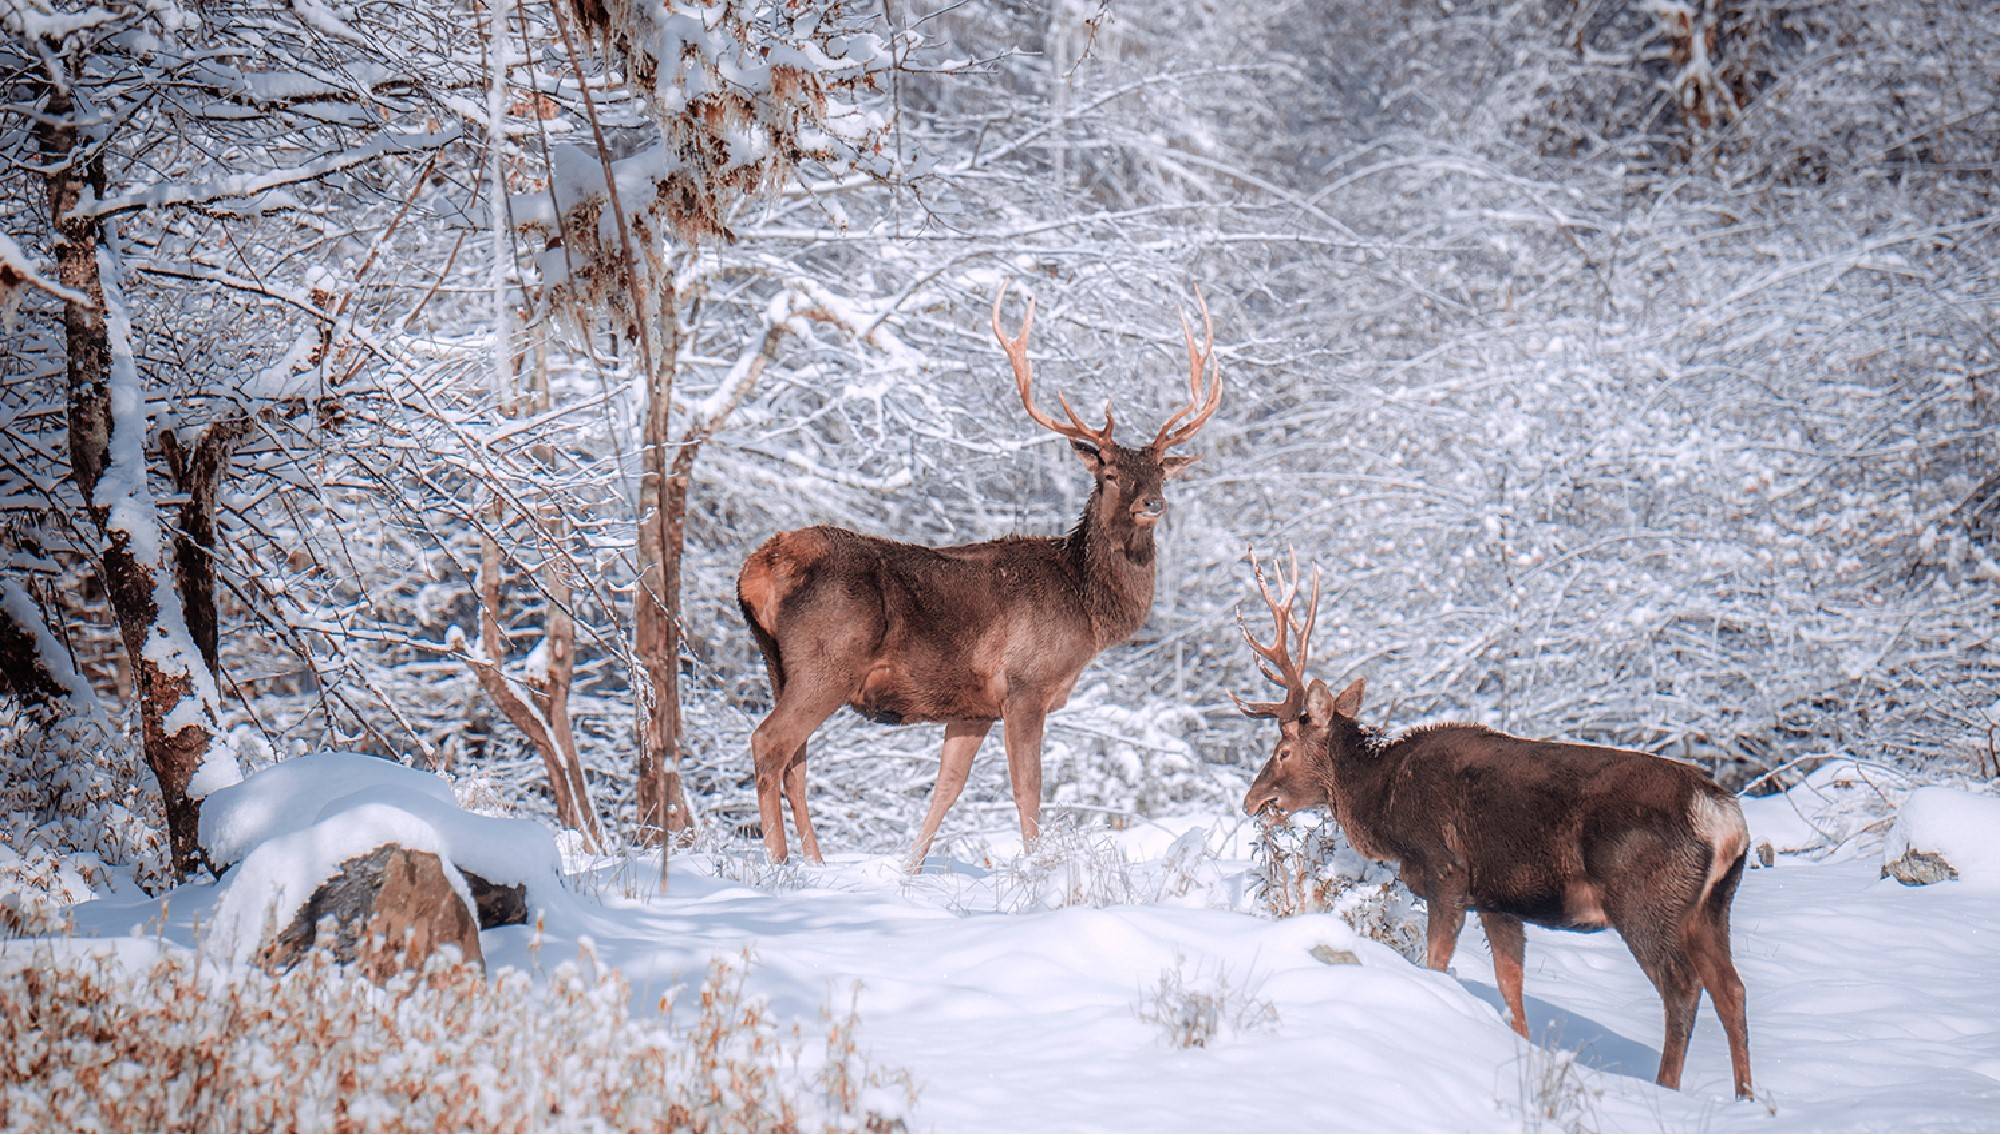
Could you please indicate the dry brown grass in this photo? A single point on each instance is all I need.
(157, 1038)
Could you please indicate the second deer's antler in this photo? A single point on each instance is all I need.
(1290, 671)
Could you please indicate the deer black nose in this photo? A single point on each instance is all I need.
(1152, 506)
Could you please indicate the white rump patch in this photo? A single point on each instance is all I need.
(1720, 823)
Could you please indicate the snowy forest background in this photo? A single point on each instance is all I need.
(1629, 368)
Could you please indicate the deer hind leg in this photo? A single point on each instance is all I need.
(1706, 938)
(794, 783)
(775, 743)
(955, 763)
(1661, 958)
(1504, 936)
(1021, 729)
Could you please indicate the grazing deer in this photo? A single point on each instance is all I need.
(1569, 836)
(965, 635)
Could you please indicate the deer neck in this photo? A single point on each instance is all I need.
(1114, 565)
(1361, 781)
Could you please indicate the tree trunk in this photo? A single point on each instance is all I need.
(199, 474)
(662, 804)
(132, 584)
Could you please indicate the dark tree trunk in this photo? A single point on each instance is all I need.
(22, 673)
(200, 474)
(129, 582)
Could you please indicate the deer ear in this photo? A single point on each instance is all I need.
(1350, 702)
(1089, 455)
(1319, 702)
(1177, 465)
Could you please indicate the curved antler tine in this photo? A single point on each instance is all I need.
(1027, 320)
(1024, 376)
(1304, 637)
(1194, 385)
(1100, 438)
(1202, 403)
(1258, 708)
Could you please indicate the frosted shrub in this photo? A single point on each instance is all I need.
(1077, 865)
(1306, 870)
(1068, 866)
(75, 802)
(1136, 759)
(1195, 1012)
(100, 1040)
(1553, 1094)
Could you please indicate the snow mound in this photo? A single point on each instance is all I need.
(293, 794)
(1959, 827)
(291, 826)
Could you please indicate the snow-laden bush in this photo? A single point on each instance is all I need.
(1195, 1011)
(1310, 869)
(1112, 753)
(1554, 1092)
(134, 1037)
(1081, 864)
(76, 802)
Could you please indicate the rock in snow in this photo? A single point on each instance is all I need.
(388, 910)
(1943, 833)
(291, 828)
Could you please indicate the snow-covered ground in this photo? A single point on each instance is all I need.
(1017, 1005)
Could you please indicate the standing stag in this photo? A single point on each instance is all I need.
(965, 635)
(1568, 836)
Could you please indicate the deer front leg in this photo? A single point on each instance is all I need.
(1442, 920)
(955, 762)
(1022, 731)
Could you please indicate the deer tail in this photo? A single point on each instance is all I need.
(767, 645)
(760, 588)
(1720, 823)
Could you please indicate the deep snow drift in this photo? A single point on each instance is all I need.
(1018, 1005)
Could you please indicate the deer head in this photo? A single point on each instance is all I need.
(1129, 491)
(1313, 721)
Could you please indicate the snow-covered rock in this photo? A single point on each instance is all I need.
(289, 828)
(1944, 833)
(388, 910)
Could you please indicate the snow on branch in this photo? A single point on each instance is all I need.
(742, 93)
(249, 185)
(18, 272)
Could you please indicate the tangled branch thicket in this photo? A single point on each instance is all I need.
(112, 1039)
(1625, 391)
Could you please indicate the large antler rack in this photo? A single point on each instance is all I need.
(1276, 659)
(1024, 374)
(1205, 383)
